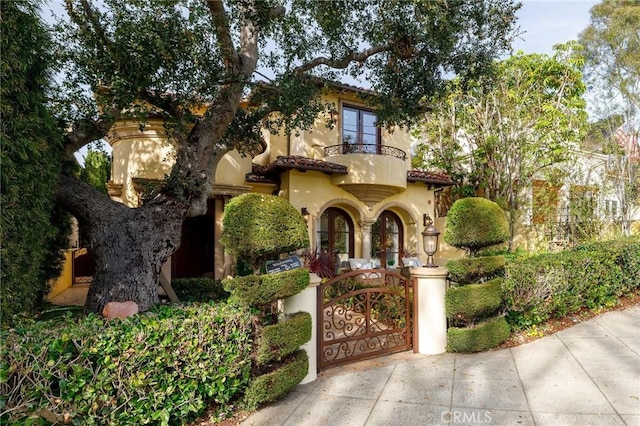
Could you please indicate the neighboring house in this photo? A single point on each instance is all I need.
(353, 183)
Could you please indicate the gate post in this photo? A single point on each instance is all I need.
(431, 323)
(307, 301)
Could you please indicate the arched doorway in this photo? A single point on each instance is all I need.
(335, 236)
(387, 236)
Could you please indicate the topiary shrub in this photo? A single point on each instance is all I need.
(276, 384)
(263, 289)
(473, 301)
(259, 227)
(474, 269)
(284, 338)
(474, 223)
(481, 337)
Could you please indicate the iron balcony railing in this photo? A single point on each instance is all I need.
(365, 149)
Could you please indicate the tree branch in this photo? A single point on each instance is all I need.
(344, 61)
(83, 201)
(88, 131)
(222, 28)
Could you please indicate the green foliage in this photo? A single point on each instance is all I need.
(260, 227)
(279, 340)
(257, 290)
(532, 114)
(199, 289)
(474, 223)
(163, 367)
(473, 301)
(612, 46)
(483, 336)
(33, 232)
(556, 284)
(475, 269)
(97, 170)
(276, 384)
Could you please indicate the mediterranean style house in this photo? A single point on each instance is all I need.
(353, 183)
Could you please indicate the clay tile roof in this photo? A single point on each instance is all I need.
(429, 177)
(270, 172)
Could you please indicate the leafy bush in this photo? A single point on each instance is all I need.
(475, 269)
(276, 384)
(473, 301)
(556, 284)
(263, 289)
(481, 337)
(199, 289)
(163, 367)
(283, 338)
(474, 223)
(260, 227)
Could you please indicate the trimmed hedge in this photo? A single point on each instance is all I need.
(276, 384)
(263, 289)
(474, 223)
(474, 269)
(283, 338)
(481, 337)
(473, 301)
(258, 227)
(199, 289)
(162, 367)
(556, 284)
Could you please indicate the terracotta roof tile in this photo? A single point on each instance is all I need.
(429, 177)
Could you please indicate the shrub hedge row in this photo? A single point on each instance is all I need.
(263, 289)
(474, 269)
(481, 337)
(162, 367)
(473, 301)
(556, 284)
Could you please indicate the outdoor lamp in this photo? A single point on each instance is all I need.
(334, 114)
(305, 214)
(429, 240)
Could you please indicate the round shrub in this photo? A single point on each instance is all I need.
(259, 227)
(474, 223)
(474, 269)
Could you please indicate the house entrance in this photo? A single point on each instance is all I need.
(363, 314)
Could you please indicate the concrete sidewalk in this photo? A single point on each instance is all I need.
(586, 375)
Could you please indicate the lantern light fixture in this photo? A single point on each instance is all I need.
(429, 240)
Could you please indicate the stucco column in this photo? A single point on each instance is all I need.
(366, 239)
(431, 319)
(307, 301)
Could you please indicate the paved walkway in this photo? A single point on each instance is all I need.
(586, 375)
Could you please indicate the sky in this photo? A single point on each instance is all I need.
(543, 23)
(548, 22)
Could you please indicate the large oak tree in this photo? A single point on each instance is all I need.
(139, 57)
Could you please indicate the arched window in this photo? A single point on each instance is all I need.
(387, 239)
(335, 236)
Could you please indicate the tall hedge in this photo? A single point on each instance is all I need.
(32, 230)
(474, 223)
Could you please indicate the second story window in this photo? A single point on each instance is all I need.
(359, 128)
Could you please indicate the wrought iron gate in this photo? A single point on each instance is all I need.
(362, 314)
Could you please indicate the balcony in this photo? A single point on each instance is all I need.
(375, 172)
